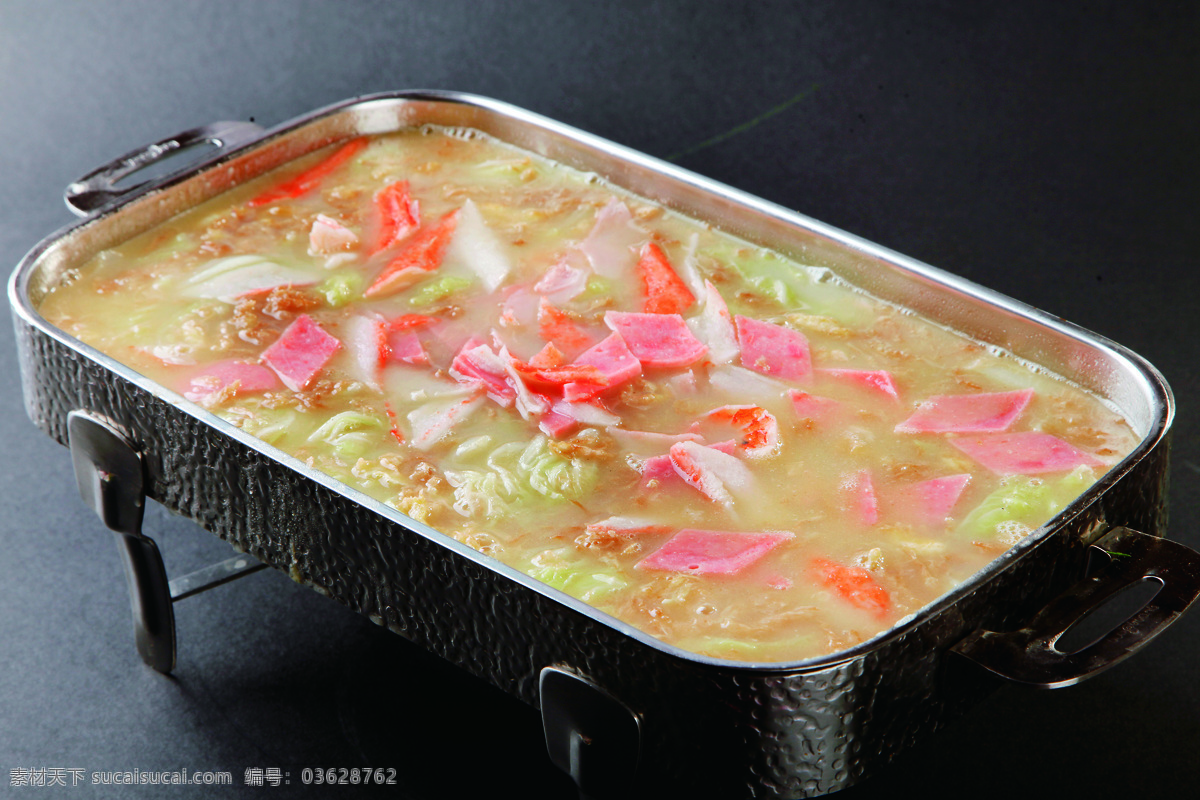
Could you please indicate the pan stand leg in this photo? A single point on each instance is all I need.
(110, 476)
(108, 471)
(590, 735)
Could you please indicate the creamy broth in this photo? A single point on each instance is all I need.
(739, 454)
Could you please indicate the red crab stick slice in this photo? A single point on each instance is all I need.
(716, 475)
(699, 552)
(657, 340)
(556, 327)
(421, 254)
(1029, 453)
(855, 585)
(665, 291)
(311, 178)
(658, 471)
(548, 356)
(406, 321)
(237, 377)
(367, 339)
(561, 375)
(773, 349)
(615, 362)
(300, 353)
(399, 214)
(433, 421)
(967, 413)
(759, 428)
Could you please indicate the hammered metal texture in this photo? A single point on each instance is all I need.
(719, 730)
(742, 732)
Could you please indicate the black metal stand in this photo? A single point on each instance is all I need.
(590, 735)
(108, 471)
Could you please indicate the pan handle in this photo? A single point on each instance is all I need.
(99, 187)
(1031, 656)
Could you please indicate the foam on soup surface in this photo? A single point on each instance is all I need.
(734, 452)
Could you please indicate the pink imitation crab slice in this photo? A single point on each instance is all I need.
(877, 380)
(565, 416)
(714, 326)
(300, 352)
(759, 428)
(562, 282)
(237, 376)
(657, 340)
(615, 362)
(657, 469)
(530, 404)
(519, 308)
(811, 407)
(716, 475)
(556, 425)
(1028, 453)
(609, 245)
(858, 497)
(932, 501)
(328, 236)
(967, 413)
(406, 347)
(433, 421)
(476, 362)
(699, 552)
(367, 341)
(773, 349)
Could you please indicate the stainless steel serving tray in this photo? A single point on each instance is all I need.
(619, 705)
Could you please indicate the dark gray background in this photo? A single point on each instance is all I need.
(1049, 153)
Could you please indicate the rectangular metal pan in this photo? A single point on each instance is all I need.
(621, 708)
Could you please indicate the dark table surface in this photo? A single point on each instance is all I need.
(1048, 153)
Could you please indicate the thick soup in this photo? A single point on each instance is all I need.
(738, 454)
